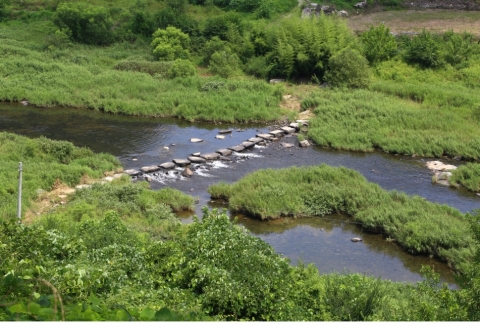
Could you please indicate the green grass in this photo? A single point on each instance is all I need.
(467, 175)
(417, 225)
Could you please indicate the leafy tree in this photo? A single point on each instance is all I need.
(379, 44)
(178, 6)
(170, 44)
(348, 68)
(215, 44)
(88, 24)
(458, 48)
(181, 68)
(224, 63)
(424, 50)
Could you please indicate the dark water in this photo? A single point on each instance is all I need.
(324, 242)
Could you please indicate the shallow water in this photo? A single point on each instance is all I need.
(322, 241)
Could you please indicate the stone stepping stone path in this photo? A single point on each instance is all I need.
(198, 163)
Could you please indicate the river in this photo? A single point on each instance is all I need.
(323, 241)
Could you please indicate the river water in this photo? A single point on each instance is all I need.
(325, 241)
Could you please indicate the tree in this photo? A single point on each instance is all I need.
(170, 44)
(224, 63)
(348, 68)
(423, 49)
(378, 44)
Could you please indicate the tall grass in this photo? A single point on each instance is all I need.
(468, 176)
(416, 224)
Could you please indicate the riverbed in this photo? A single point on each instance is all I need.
(324, 242)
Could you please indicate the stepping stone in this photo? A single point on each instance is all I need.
(288, 129)
(237, 148)
(248, 144)
(264, 136)
(195, 140)
(225, 131)
(277, 133)
(132, 172)
(255, 140)
(302, 122)
(196, 154)
(167, 165)
(219, 137)
(296, 126)
(148, 169)
(210, 156)
(224, 152)
(287, 145)
(224, 158)
(195, 159)
(181, 162)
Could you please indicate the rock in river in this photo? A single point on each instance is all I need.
(187, 172)
(195, 140)
(181, 162)
(148, 169)
(224, 152)
(167, 165)
(195, 159)
(210, 156)
(237, 148)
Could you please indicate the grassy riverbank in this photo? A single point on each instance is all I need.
(417, 225)
(468, 176)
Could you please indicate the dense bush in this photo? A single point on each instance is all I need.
(170, 44)
(181, 68)
(88, 24)
(224, 63)
(424, 49)
(348, 68)
(378, 44)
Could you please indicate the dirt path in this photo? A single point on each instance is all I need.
(413, 21)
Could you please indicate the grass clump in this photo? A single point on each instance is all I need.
(416, 224)
(467, 175)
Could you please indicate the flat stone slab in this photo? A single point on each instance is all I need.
(302, 122)
(237, 148)
(288, 129)
(287, 145)
(148, 169)
(219, 136)
(255, 140)
(210, 156)
(277, 133)
(195, 159)
(195, 140)
(296, 126)
(181, 162)
(224, 152)
(225, 131)
(132, 172)
(248, 144)
(196, 154)
(167, 165)
(264, 136)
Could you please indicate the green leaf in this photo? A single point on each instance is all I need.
(122, 316)
(165, 314)
(17, 308)
(147, 314)
(33, 308)
(45, 311)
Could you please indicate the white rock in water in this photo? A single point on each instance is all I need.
(195, 140)
(220, 136)
(439, 166)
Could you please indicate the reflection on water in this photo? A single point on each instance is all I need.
(325, 242)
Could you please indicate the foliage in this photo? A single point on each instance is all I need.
(88, 24)
(320, 190)
(224, 64)
(467, 175)
(458, 48)
(170, 44)
(182, 68)
(423, 49)
(348, 68)
(379, 45)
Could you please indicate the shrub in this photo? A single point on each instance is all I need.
(424, 50)
(379, 44)
(258, 67)
(348, 68)
(181, 68)
(170, 44)
(224, 63)
(88, 24)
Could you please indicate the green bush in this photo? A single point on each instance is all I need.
(467, 175)
(88, 23)
(348, 68)
(170, 44)
(181, 68)
(378, 44)
(224, 63)
(424, 49)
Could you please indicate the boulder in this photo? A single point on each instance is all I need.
(237, 148)
(224, 152)
(187, 172)
(151, 168)
(167, 165)
(181, 162)
(342, 13)
(225, 131)
(277, 133)
(248, 144)
(304, 143)
(264, 136)
(360, 5)
(296, 126)
(210, 156)
(288, 129)
(195, 159)
(439, 166)
(195, 140)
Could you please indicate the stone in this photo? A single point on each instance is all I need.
(439, 166)
(118, 175)
(287, 145)
(196, 154)
(166, 148)
(342, 13)
(274, 81)
(109, 179)
(149, 179)
(148, 169)
(255, 140)
(225, 131)
(24, 102)
(277, 133)
(210, 156)
(195, 159)
(195, 140)
(274, 139)
(225, 158)
(356, 240)
(264, 136)
(295, 125)
(248, 144)
(134, 159)
(167, 165)
(181, 162)
(82, 186)
(224, 152)
(237, 148)
(360, 5)
(288, 129)
(132, 172)
(187, 172)
(304, 143)
(443, 175)
(219, 136)
(302, 122)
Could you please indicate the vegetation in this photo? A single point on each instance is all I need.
(414, 223)
(467, 175)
